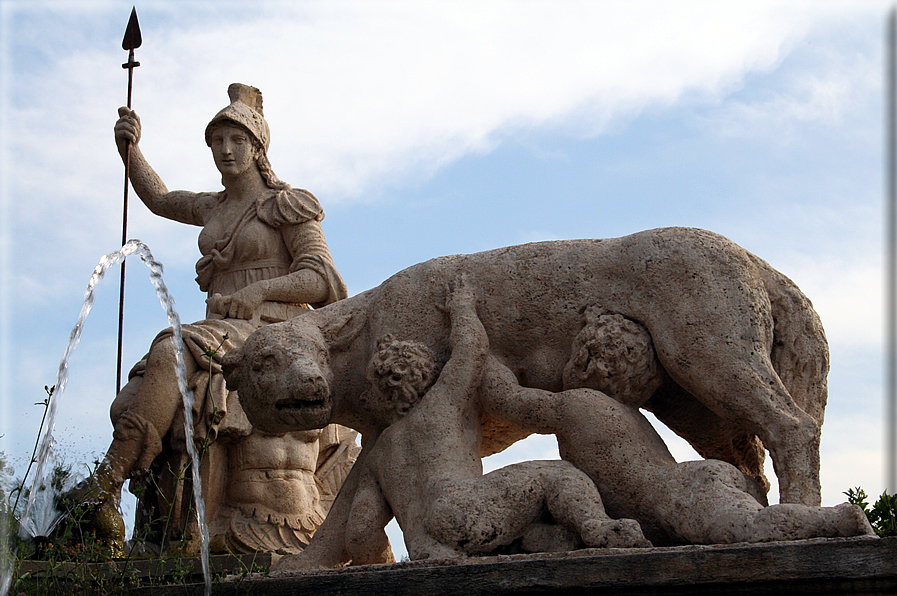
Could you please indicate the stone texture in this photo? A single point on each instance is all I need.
(740, 351)
(425, 467)
(696, 502)
(708, 304)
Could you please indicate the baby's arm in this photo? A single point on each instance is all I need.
(502, 396)
(470, 346)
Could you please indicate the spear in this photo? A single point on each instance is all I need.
(891, 252)
(131, 41)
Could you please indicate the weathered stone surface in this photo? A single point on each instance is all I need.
(425, 467)
(739, 350)
(708, 305)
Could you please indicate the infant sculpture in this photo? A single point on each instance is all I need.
(737, 356)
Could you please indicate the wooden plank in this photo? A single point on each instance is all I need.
(820, 566)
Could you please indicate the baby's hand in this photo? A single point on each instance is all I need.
(459, 295)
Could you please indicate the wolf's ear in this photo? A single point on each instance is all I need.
(340, 331)
(230, 366)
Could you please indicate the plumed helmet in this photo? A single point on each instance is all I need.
(245, 109)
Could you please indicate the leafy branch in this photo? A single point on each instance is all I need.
(46, 404)
(883, 513)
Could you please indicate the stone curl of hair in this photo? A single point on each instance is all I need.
(616, 356)
(401, 371)
(267, 171)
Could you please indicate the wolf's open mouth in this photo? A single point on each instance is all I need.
(292, 403)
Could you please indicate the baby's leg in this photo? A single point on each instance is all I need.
(797, 522)
(707, 502)
(573, 500)
(365, 538)
(699, 502)
(482, 514)
(478, 515)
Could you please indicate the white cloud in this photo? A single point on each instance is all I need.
(830, 84)
(852, 453)
(848, 295)
(361, 97)
(358, 92)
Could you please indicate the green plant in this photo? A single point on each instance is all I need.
(74, 560)
(20, 488)
(883, 513)
(71, 561)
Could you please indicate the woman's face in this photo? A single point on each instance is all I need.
(233, 150)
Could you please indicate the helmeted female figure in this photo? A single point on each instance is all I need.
(264, 259)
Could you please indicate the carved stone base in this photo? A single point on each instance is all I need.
(820, 566)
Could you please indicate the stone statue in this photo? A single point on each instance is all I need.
(425, 468)
(729, 377)
(264, 259)
(695, 502)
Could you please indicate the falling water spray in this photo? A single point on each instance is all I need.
(35, 520)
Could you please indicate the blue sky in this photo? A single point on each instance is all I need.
(433, 130)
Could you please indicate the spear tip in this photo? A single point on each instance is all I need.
(132, 39)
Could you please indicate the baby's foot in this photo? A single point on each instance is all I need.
(799, 522)
(614, 533)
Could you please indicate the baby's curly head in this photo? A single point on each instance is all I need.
(401, 371)
(616, 356)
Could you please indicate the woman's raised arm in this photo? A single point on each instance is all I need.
(179, 205)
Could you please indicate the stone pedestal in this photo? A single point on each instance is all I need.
(821, 566)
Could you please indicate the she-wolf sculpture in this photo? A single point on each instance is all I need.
(743, 349)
